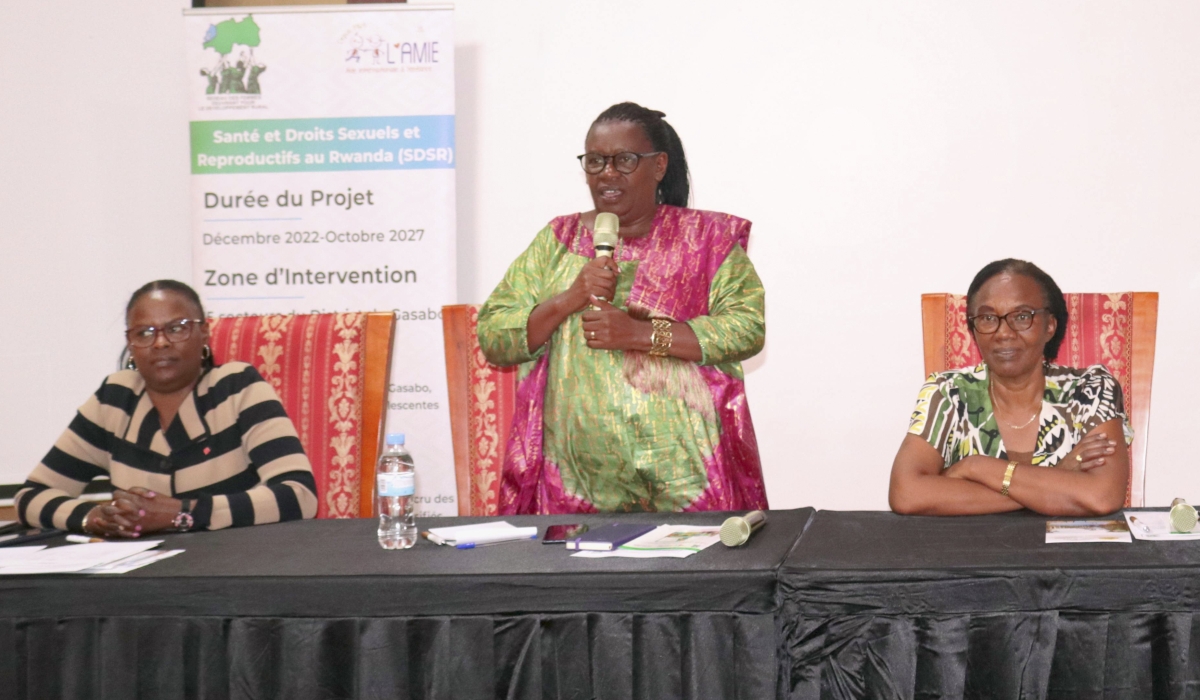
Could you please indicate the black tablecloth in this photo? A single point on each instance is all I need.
(875, 605)
(317, 610)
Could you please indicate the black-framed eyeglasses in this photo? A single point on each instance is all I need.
(1021, 320)
(626, 162)
(175, 332)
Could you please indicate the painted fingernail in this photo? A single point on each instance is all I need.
(138, 528)
(141, 512)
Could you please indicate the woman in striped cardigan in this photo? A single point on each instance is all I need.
(187, 445)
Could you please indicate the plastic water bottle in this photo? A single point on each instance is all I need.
(394, 486)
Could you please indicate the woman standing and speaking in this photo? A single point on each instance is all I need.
(631, 395)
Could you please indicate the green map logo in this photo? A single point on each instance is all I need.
(236, 70)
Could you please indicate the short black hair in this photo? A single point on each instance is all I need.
(1055, 301)
(170, 286)
(676, 183)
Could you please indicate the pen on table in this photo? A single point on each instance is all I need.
(486, 543)
(83, 539)
(1145, 528)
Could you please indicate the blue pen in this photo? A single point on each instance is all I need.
(473, 545)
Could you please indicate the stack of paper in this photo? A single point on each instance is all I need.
(471, 536)
(676, 541)
(100, 557)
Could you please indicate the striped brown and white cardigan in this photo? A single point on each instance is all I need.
(231, 447)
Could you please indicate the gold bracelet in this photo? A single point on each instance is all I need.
(660, 338)
(1012, 467)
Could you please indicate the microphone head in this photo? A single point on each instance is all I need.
(605, 237)
(1183, 516)
(736, 531)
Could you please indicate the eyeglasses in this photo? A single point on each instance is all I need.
(174, 332)
(1017, 320)
(594, 163)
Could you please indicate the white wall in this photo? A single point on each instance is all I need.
(882, 150)
(93, 198)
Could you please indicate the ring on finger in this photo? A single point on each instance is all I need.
(1079, 458)
(592, 335)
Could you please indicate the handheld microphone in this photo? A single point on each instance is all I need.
(605, 237)
(737, 530)
(1183, 516)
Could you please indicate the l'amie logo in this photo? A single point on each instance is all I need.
(368, 51)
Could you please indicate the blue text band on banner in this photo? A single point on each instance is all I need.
(321, 145)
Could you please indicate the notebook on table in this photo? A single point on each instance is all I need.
(606, 538)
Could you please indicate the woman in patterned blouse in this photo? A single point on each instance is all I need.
(976, 433)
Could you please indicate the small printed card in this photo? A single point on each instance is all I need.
(673, 541)
(1155, 525)
(1087, 531)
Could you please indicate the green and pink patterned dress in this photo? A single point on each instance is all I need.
(606, 430)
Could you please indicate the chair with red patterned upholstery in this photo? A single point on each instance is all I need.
(482, 398)
(1114, 330)
(331, 373)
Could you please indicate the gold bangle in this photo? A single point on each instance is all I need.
(1008, 473)
(660, 338)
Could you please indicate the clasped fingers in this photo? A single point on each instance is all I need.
(111, 520)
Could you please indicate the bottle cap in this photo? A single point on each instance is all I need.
(395, 438)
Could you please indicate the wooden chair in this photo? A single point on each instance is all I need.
(482, 398)
(1114, 330)
(331, 372)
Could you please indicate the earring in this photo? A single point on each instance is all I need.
(130, 364)
(206, 353)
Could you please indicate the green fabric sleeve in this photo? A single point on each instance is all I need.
(503, 320)
(735, 327)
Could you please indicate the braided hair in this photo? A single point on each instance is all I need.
(676, 183)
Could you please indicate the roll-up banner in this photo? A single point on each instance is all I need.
(322, 168)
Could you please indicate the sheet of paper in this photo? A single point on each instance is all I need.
(1154, 525)
(72, 558)
(636, 553)
(665, 541)
(17, 554)
(479, 532)
(689, 538)
(1059, 531)
(136, 561)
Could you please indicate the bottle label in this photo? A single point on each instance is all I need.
(396, 484)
